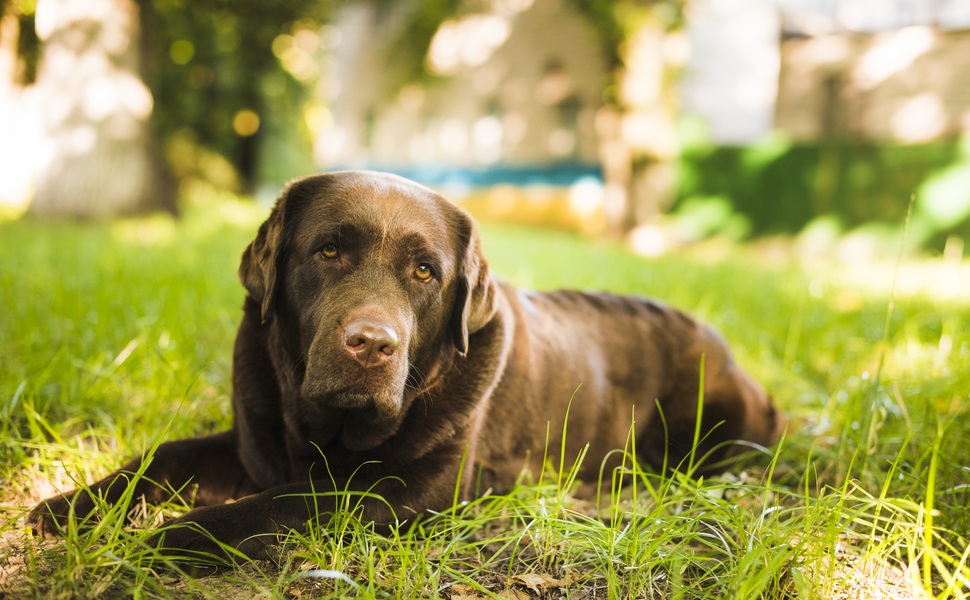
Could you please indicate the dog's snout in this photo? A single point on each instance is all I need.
(371, 343)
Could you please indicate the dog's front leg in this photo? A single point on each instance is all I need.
(230, 533)
(205, 470)
(216, 533)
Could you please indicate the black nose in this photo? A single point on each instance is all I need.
(369, 342)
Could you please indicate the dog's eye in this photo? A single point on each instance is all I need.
(423, 272)
(329, 251)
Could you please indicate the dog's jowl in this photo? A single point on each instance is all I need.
(378, 353)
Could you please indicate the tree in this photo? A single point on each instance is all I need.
(125, 86)
(643, 41)
(101, 157)
(221, 84)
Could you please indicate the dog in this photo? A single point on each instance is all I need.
(378, 357)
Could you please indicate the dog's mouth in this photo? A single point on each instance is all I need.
(360, 420)
(346, 400)
(380, 405)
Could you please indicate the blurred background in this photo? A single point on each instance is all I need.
(662, 122)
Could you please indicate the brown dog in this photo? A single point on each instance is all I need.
(378, 355)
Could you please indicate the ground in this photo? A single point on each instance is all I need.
(113, 334)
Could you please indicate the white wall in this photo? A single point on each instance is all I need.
(732, 75)
(731, 78)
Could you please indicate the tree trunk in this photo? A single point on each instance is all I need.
(17, 134)
(100, 158)
(638, 139)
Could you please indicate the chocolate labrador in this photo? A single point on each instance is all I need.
(378, 358)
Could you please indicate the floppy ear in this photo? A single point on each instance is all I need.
(258, 267)
(475, 289)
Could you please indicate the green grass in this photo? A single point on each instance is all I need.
(114, 336)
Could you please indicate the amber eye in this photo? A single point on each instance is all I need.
(329, 251)
(423, 272)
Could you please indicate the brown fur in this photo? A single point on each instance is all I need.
(351, 372)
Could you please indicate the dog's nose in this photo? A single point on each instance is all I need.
(369, 342)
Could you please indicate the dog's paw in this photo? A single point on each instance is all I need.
(212, 536)
(41, 520)
(49, 518)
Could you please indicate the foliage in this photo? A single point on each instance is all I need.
(412, 37)
(117, 335)
(206, 62)
(214, 59)
(781, 187)
(614, 22)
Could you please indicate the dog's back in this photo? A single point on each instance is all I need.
(599, 367)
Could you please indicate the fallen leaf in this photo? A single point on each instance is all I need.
(514, 594)
(461, 591)
(537, 582)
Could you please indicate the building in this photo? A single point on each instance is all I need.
(811, 67)
(518, 85)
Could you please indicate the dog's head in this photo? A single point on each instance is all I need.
(374, 284)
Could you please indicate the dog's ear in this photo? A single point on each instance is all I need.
(475, 291)
(260, 261)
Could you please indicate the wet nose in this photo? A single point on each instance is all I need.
(370, 343)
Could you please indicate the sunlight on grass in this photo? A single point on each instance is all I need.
(113, 333)
(944, 281)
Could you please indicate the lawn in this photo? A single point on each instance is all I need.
(116, 336)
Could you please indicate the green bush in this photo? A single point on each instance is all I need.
(781, 187)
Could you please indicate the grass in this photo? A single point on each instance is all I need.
(114, 336)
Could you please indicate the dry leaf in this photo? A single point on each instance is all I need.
(537, 582)
(460, 591)
(514, 594)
